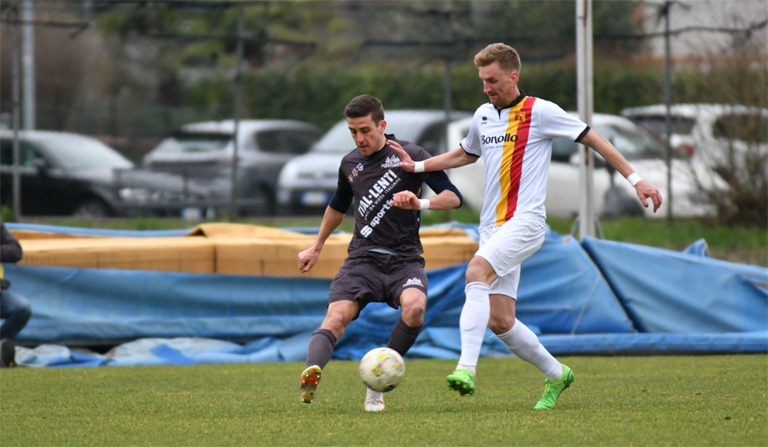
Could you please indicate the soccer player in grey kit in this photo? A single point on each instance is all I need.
(384, 263)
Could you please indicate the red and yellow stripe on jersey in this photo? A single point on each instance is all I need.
(516, 145)
(519, 124)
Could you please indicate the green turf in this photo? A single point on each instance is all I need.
(616, 401)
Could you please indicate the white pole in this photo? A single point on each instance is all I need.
(88, 76)
(233, 211)
(28, 65)
(585, 106)
(15, 68)
(668, 103)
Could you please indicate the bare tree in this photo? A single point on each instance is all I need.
(737, 148)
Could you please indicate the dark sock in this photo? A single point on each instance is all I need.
(403, 336)
(320, 348)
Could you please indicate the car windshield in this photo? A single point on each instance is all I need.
(339, 139)
(745, 127)
(187, 142)
(79, 152)
(657, 125)
(631, 141)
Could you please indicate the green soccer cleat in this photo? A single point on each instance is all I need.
(553, 388)
(462, 381)
(310, 378)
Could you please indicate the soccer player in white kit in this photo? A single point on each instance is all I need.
(513, 133)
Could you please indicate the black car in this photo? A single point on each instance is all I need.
(69, 174)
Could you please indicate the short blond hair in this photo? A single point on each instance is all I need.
(505, 55)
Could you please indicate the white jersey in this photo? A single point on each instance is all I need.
(516, 145)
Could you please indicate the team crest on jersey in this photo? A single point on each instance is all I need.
(520, 116)
(391, 162)
(355, 172)
(413, 282)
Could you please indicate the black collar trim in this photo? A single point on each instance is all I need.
(514, 102)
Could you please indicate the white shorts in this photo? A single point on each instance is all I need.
(507, 246)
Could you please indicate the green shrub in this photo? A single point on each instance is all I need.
(318, 92)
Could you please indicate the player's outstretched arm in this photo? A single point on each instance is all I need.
(331, 220)
(612, 155)
(452, 159)
(407, 200)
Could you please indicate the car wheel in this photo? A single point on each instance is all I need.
(92, 208)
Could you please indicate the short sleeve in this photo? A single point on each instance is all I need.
(557, 123)
(471, 143)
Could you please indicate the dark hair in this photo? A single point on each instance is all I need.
(364, 105)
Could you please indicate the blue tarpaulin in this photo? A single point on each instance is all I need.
(670, 292)
(591, 297)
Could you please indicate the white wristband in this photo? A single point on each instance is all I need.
(424, 204)
(418, 166)
(633, 178)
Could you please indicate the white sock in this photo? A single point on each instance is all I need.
(524, 344)
(473, 323)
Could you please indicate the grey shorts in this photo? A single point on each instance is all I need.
(377, 278)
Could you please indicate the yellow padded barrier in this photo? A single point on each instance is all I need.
(234, 249)
(184, 254)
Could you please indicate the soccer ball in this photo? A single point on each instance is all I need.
(382, 369)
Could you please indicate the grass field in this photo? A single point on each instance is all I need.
(615, 401)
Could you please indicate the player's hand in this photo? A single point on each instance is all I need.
(307, 259)
(647, 191)
(405, 160)
(405, 200)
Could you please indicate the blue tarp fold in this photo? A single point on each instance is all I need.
(591, 297)
(670, 292)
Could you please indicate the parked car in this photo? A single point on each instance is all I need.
(721, 136)
(69, 174)
(307, 183)
(204, 152)
(643, 151)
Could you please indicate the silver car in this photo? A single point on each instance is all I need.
(730, 140)
(644, 152)
(307, 183)
(203, 152)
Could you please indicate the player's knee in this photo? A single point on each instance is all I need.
(336, 322)
(413, 316)
(413, 307)
(501, 324)
(22, 312)
(479, 270)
